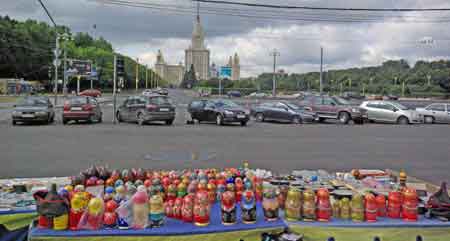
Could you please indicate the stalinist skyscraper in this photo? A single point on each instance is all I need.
(197, 54)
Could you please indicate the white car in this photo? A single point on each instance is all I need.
(147, 92)
(436, 113)
(390, 112)
(257, 95)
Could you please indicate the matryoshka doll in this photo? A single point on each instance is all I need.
(370, 204)
(168, 208)
(156, 211)
(409, 207)
(201, 209)
(187, 208)
(335, 208)
(211, 192)
(95, 208)
(248, 207)
(228, 208)
(394, 204)
(221, 188)
(171, 193)
(381, 205)
(77, 207)
(181, 190)
(283, 190)
(140, 210)
(110, 216)
(177, 207)
(344, 206)
(293, 204)
(309, 205)
(323, 205)
(258, 185)
(239, 186)
(192, 188)
(120, 194)
(270, 203)
(357, 207)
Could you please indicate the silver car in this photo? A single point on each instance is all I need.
(436, 113)
(390, 112)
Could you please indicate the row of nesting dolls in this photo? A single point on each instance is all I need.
(310, 206)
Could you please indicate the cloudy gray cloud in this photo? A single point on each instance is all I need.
(141, 32)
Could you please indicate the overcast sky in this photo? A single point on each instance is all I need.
(140, 32)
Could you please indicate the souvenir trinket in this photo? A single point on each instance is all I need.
(357, 208)
(293, 204)
(323, 205)
(201, 209)
(228, 208)
(370, 205)
(309, 205)
(248, 207)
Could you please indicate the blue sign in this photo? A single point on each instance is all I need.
(225, 72)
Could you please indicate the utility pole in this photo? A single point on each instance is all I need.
(275, 53)
(321, 69)
(137, 74)
(114, 88)
(55, 88)
(65, 70)
(429, 80)
(146, 76)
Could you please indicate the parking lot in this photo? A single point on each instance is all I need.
(39, 150)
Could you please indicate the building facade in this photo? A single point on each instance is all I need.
(173, 74)
(197, 54)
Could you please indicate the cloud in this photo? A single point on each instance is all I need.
(141, 32)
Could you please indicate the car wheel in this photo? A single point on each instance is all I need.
(344, 118)
(429, 120)
(118, 117)
(321, 119)
(243, 123)
(14, 122)
(402, 120)
(219, 120)
(91, 119)
(140, 119)
(169, 122)
(100, 119)
(259, 117)
(297, 120)
(64, 121)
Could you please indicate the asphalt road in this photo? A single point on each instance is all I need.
(57, 150)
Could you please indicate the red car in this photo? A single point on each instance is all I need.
(91, 92)
(81, 108)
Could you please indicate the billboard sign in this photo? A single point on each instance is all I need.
(79, 67)
(225, 72)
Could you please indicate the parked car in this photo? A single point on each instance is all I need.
(219, 111)
(333, 107)
(375, 97)
(233, 93)
(161, 91)
(352, 95)
(147, 92)
(81, 108)
(257, 95)
(33, 109)
(435, 113)
(91, 92)
(391, 97)
(282, 111)
(390, 112)
(145, 109)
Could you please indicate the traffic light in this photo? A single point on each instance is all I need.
(120, 66)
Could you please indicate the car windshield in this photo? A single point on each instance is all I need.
(33, 101)
(225, 103)
(399, 106)
(341, 101)
(79, 100)
(160, 100)
(292, 106)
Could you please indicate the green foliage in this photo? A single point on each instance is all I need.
(27, 52)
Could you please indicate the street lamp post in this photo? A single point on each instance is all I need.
(274, 53)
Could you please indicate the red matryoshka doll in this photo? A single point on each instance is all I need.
(192, 188)
(248, 207)
(187, 208)
(221, 188)
(110, 216)
(168, 208)
(201, 209)
(228, 207)
(323, 205)
(394, 204)
(370, 205)
(171, 192)
(177, 206)
(211, 192)
(239, 187)
(165, 183)
(409, 207)
(381, 205)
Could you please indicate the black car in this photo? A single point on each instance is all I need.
(219, 111)
(234, 93)
(282, 111)
(144, 109)
(162, 91)
(33, 109)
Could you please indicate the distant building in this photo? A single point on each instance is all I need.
(171, 73)
(213, 71)
(197, 54)
(234, 64)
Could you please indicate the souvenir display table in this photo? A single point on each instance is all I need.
(229, 204)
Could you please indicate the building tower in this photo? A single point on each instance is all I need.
(197, 54)
(236, 68)
(160, 65)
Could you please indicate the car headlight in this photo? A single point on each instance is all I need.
(227, 112)
(16, 113)
(41, 113)
(355, 110)
(247, 112)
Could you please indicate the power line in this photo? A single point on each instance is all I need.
(327, 8)
(48, 13)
